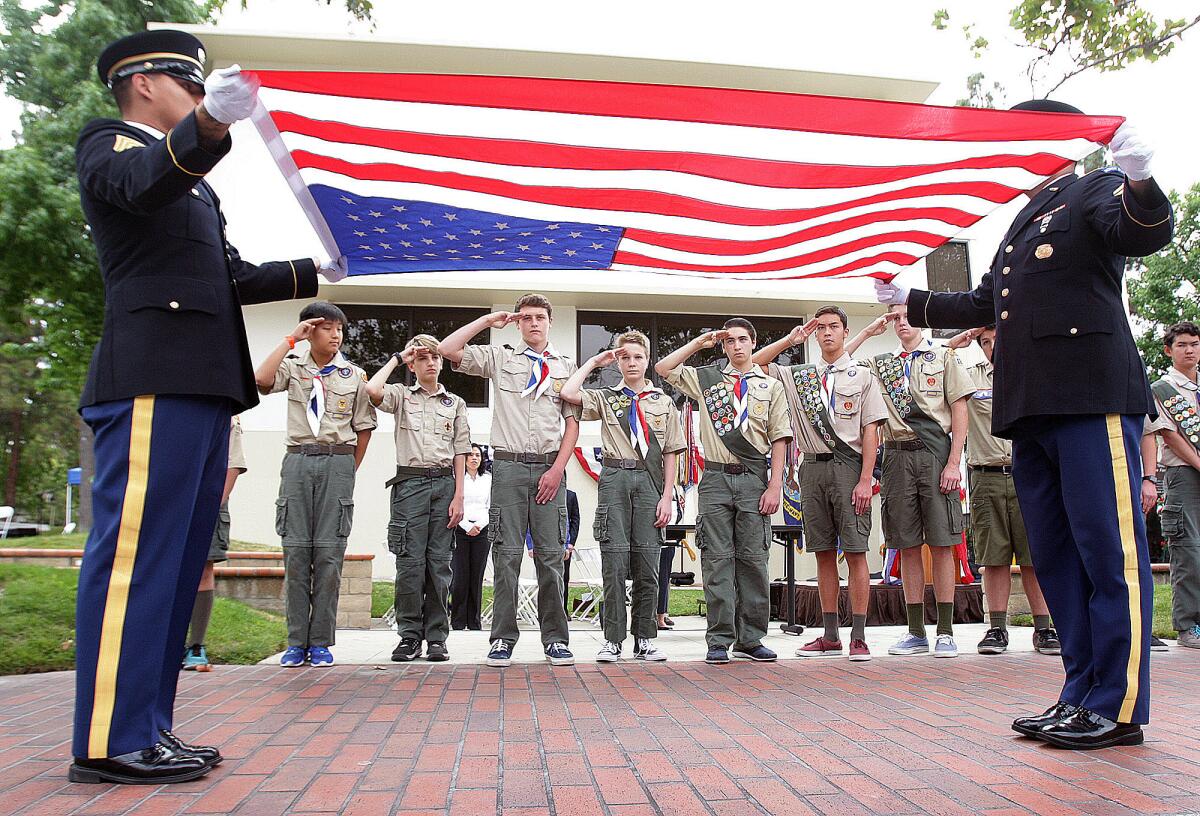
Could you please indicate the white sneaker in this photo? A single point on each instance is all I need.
(609, 653)
(945, 647)
(646, 650)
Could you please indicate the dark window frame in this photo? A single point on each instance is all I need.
(948, 278)
(413, 316)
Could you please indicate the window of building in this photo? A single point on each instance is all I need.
(377, 331)
(598, 330)
(948, 269)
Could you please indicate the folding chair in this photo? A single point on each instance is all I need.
(6, 517)
(585, 569)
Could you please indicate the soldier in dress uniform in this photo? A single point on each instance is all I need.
(997, 527)
(641, 436)
(745, 431)
(1071, 392)
(173, 285)
(923, 439)
(533, 436)
(836, 411)
(1177, 398)
(432, 443)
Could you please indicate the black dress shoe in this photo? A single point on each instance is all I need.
(206, 752)
(1085, 730)
(156, 765)
(1032, 726)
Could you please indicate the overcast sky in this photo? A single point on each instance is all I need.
(879, 37)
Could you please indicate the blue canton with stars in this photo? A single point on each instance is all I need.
(380, 235)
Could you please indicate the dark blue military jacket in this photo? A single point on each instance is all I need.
(173, 285)
(1063, 343)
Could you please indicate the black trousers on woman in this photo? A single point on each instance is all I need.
(466, 583)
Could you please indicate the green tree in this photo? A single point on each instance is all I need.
(51, 295)
(1165, 288)
(1066, 38)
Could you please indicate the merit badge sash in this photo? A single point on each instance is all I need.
(808, 388)
(891, 374)
(719, 404)
(1180, 408)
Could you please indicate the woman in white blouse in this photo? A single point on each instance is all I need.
(471, 544)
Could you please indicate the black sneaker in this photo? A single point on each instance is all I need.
(500, 654)
(435, 652)
(717, 654)
(759, 653)
(1046, 642)
(408, 649)
(559, 655)
(1157, 645)
(995, 641)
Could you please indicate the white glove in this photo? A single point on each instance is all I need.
(230, 95)
(1130, 153)
(890, 293)
(333, 270)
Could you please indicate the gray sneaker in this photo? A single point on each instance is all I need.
(1190, 638)
(910, 644)
(945, 647)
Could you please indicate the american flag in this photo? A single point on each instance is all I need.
(424, 172)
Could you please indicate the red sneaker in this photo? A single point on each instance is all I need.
(859, 651)
(820, 648)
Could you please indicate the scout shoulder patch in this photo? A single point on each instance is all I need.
(123, 143)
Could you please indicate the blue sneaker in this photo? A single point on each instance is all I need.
(910, 644)
(500, 654)
(717, 654)
(559, 655)
(319, 657)
(945, 647)
(196, 659)
(293, 657)
(757, 653)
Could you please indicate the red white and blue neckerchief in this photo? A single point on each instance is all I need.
(315, 409)
(741, 399)
(638, 429)
(907, 356)
(539, 373)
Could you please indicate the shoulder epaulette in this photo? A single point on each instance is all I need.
(507, 346)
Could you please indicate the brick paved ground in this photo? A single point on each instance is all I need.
(891, 736)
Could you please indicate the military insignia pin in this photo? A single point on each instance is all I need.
(1043, 252)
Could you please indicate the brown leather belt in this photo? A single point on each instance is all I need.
(431, 472)
(818, 457)
(320, 449)
(525, 458)
(1005, 469)
(734, 468)
(908, 444)
(622, 464)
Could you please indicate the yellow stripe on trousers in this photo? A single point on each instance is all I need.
(115, 604)
(1116, 446)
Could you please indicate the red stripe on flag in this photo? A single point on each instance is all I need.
(760, 172)
(639, 201)
(898, 258)
(723, 106)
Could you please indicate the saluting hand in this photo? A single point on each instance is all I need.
(304, 329)
(498, 320)
(604, 358)
(879, 325)
(800, 334)
(963, 339)
(712, 338)
(1130, 153)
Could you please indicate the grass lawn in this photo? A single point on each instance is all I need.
(1162, 614)
(681, 601)
(37, 623)
(75, 541)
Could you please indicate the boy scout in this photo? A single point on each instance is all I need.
(997, 527)
(1178, 423)
(329, 423)
(432, 443)
(641, 436)
(836, 411)
(195, 658)
(533, 436)
(746, 417)
(927, 389)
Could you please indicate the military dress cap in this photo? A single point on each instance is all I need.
(165, 51)
(1046, 106)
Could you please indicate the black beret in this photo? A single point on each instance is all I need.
(163, 51)
(1046, 106)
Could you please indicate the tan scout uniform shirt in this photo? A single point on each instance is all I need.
(660, 412)
(430, 428)
(935, 384)
(522, 424)
(348, 408)
(768, 421)
(982, 447)
(237, 454)
(856, 399)
(1183, 385)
